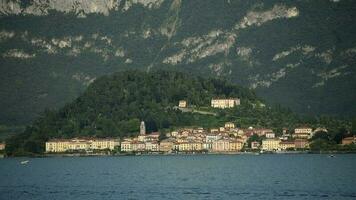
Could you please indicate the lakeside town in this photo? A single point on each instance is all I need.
(227, 139)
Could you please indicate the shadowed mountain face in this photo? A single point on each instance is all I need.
(300, 54)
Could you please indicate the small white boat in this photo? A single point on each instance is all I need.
(24, 162)
(331, 156)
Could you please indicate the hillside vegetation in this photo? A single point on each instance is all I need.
(114, 105)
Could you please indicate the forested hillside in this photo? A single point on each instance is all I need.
(114, 105)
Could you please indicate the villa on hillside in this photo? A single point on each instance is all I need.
(225, 103)
(303, 133)
(182, 104)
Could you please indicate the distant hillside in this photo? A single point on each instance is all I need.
(300, 54)
(114, 106)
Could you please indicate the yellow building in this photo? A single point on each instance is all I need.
(235, 145)
(270, 144)
(57, 145)
(126, 146)
(229, 125)
(225, 103)
(190, 146)
(81, 144)
(103, 143)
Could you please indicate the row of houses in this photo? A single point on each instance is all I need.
(81, 144)
(276, 144)
(227, 138)
(172, 145)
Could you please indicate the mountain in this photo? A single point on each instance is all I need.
(300, 54)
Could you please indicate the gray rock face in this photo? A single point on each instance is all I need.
(298, 54)
(79, 7)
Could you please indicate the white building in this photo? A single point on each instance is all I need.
(225, 103)
(270, 135)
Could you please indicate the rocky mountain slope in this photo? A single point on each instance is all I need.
(300, 54)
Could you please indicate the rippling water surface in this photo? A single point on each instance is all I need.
(180, 177)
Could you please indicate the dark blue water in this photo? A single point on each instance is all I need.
(181, 177)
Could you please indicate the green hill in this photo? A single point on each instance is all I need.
(114, 105)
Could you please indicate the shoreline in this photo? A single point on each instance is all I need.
(173, 154)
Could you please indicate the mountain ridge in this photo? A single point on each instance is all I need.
(298, 54)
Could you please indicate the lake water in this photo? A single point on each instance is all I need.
(180, 177)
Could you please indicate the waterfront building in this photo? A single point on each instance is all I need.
(349, 140)
(176, 146)
(190, 146)
(285, 145)
(78, 145)
(301, 143)
(138, 146)
(235, 145)
(126, 146)
(225, 103)
(271, 144)
(152, 146)
(196, 145)
(208, 146)
(2, 146)
(221, 145)
(81, 144)
(103, 143)
(166, 145)
(182, 104)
